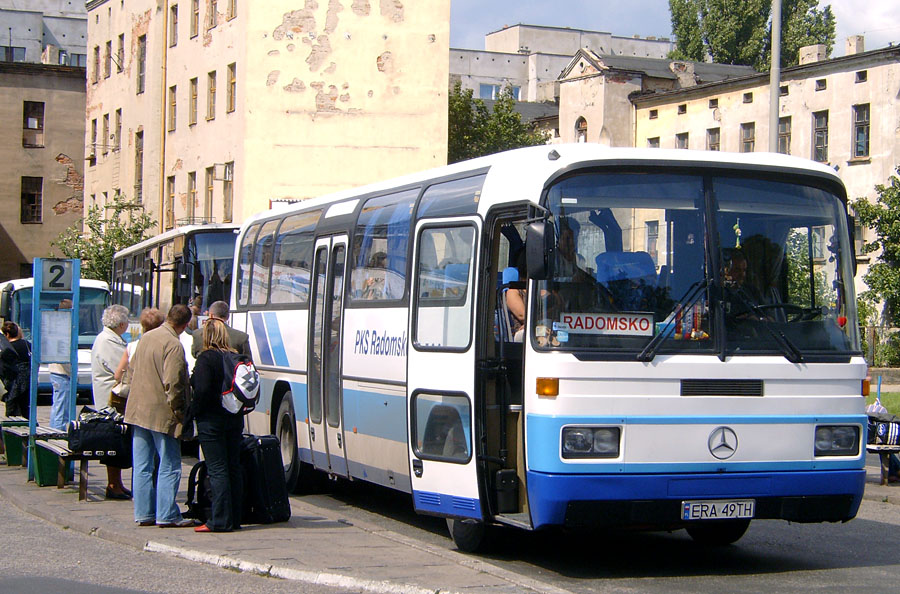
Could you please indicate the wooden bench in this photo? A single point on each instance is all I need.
(10, 422)
(15, 441)
(52, 465)
(884, 452)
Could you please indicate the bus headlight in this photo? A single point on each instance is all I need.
(590, 442)
(837, 440)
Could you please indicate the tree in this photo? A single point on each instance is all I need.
(123, 224)
(474, 130)
(740, 32)
(883, 218)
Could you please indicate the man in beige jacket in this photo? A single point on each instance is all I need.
(155, 409)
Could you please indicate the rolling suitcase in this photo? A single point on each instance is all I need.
(265, 491)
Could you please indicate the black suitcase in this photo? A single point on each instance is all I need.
(265, 490)
(106, 438)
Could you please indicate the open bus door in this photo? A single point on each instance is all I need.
(325, 384)
(441, 374)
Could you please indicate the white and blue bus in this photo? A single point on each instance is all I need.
(17, 300)
(690, 355)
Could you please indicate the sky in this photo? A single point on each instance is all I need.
(471, 20)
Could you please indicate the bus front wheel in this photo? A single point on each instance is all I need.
(468, 535)
(286, 431)
(718, 533)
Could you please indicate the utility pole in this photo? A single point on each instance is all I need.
(775, 76)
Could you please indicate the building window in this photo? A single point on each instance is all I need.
(173, 106)
(142, 62)
(784, 135)
(228, 193)
(748, 137)
(653, 142)
(821, 85)
(212, 17)
(681, 140)
(682, 109)
(120, 54)
(862, 76)
(170, 202)
(139, 167)
(32, 198)
(117, 142)
(748, 97)
(107, 60)
(95, 70)
(104, 139)
(581, 130)
(486, 91)
(232, 88)
(195, 17)
(33, 124)
(713, 139)
(63, 58)
(820, 136)
(861, 131)
(14, 54)
(783, 90)
(208, 195)
(192, 196)
(173, 25)
(211, 95)
(192, 108)
(232, 9)
(92, 149)
(652, 240)
(654, 113)
(713, 103)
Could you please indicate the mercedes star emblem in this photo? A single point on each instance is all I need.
(723, 442)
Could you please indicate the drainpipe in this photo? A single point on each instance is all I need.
(775, 76)
(164, 113)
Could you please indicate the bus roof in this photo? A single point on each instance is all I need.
(176, 232)
(523, 173)
(27, 283)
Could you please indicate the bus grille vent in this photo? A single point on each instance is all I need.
(716, 387)
(464, 504)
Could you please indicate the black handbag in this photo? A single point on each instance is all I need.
(102, 435)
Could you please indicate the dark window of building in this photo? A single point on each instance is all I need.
(784, 135)
(681, 140)
(713, 103)
(748, 97)
(861, 131)
(142, 62)
(581, 130)
(682, 109)
(33, 124)
(653, 142)
(654, 113)
(12, 54)
(32, 199)
(713, 139)
(748, 137)
(820, 136)
(783, 90)
(821, 85)
(138, 167)
(862, 76)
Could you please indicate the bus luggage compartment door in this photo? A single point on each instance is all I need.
(441, 369)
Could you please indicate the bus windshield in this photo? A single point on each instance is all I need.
(638, 260)
(212, 257)
(92, 302)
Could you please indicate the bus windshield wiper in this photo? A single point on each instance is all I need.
(688, 300)
(788, 348)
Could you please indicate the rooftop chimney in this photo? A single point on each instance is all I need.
(812, 53)
(855, 45)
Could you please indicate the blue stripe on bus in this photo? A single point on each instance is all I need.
(262, 342)
(549, 494)
(447, 505)
(275, 340)
(375, 414)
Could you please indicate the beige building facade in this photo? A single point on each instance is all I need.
(41, 160)
(842, 112)
(207, 111)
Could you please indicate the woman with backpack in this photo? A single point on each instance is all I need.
(218, 430)
(16, 371)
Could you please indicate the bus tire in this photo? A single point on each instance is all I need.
(467, 535)
(286, 431)
(718, 533)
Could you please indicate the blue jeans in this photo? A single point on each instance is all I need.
(155, 499)
(59, 410)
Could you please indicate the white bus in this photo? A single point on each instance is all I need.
(16, 300)
(690, 355)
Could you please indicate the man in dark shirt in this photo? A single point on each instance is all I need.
(238, 340)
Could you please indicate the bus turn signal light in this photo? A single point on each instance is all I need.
(866, 387)
(548, 386)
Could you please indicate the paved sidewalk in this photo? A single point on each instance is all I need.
(316, 546)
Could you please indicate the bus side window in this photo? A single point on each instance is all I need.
(244, 265)
(440, 427)
(262, 263)
(292, 258)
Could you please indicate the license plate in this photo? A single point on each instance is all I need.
(718, 509)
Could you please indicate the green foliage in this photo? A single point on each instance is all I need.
(798, 274)
(883, 218)
(739, 31)
(123, 224)
(475, 131)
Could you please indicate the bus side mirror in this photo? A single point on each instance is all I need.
(182, 282)
(851, 227)
(5, 302)
(539, 246)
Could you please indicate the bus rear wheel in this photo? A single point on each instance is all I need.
(718, 533)
(286, 431)
(467, 535)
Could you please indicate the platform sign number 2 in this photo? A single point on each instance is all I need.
(56, 275)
